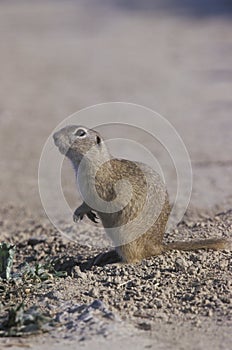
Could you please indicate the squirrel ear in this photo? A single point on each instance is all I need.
(98, 139)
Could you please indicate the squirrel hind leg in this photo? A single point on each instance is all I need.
(136, 251)
(102, 259)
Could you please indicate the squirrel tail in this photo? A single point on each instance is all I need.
(211, 243)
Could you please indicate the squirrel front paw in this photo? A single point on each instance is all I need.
(92, 216)
(79, 213)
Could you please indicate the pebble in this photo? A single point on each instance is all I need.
(180, 264)
(78, 273)
(175, 285)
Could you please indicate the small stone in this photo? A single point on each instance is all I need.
(180, 264)
(93, 292)
(225, 300)
(158, 303)
(78, 273)
(198, 323)
(192, 270)
(144, 326)
(209, 313)
(187, 297)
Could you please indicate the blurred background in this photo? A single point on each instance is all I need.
(169, 55)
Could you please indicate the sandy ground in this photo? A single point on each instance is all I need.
(162, 302)
(60, 56)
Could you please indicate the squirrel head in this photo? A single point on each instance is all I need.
(76, 142)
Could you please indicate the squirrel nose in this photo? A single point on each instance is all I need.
(56, 137)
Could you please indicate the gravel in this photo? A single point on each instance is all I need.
(171, 288)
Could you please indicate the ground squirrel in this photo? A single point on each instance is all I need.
(119, 205)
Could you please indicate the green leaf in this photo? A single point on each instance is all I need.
(7, 252)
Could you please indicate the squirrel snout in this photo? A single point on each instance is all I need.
(56, 137)
(61, 142)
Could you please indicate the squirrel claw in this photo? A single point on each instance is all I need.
(77, 216)
(92, 216)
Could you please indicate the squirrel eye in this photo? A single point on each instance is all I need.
(80, 132)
